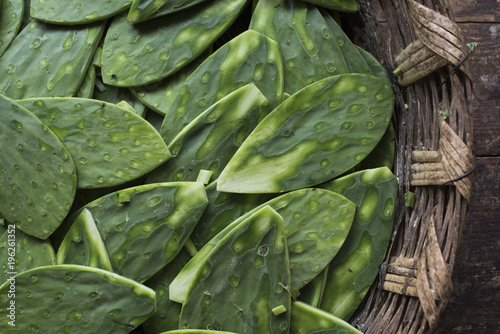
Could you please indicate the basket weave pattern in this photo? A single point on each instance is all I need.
(434, 160)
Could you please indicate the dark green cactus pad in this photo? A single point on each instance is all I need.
(115, 95)
(75, 299)
(110, 145)
(349, 6)
(145, 227)
(307, 319)
(375, 66)
(83, 244)
(382, 155)
(167, 311)
(37, 174)
(11, 17)
(315, 135)
(195, 331)
(141, 10)
(136, 55)
(30, 252)
(306, 42)
(248, 58)
(356, 266)
(244, 278)
(48, 60)
(211, 139)
(76, 11)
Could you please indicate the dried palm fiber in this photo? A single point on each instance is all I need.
(434, 159)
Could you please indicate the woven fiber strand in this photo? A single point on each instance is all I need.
(434, 160)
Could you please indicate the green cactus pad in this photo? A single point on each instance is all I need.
(382, 155)
(242, 280)
(195, 331)
(375, 66)
(11, 17)
(143, 228)
(141, 10)
(76, 11)
(248, 58)
(356, 266)
(115, 95)
(135, 55)
(349, 6)
(74, 299)
(86, 89)
(110, 145)
(83, 244)
(307, 319)
(37, 174)
(48, 60)
(313, 136)
(306, 42)
(30, 252)
(211, 139)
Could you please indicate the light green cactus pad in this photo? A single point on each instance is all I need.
(313, 136)
(211, 139)
(136, 55)
(141, 10)
(356, 266)
(248, 58)
(30, 252)
(75, 299)
(249, 268)
(307, 319)
(76, 11)
(110, 145)
(48, 60)
(306, 42)
(11, 17)
(83, 244)
(115, 95)
(143, 228)
(349, 6)
(37, 174)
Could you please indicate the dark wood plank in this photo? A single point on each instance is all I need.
(475, 305)
(476, 10)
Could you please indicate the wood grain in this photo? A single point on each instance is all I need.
(476, 10)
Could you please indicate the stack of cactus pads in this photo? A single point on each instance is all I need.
(189, 167)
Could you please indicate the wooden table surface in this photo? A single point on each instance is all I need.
(475, 305)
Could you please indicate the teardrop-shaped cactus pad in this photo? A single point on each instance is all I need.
(356, 266)
(138, 54)
(48, 60)
(309, 319)
(141, 10)
(83, 244)
(30, 252)
(37, 174)
(76, 11)
(212, 138)
(143, 228)
(248, 58)
(111, 145)
(74, 299)
(248, 268)
(315, 135)
(11, 16)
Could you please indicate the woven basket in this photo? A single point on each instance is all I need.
(434, 158)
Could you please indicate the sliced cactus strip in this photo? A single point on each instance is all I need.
(110, 145)
(167, 311)
(316, 224)
(145, 227)
(115, 95)
(76, 11)
(75, 299)
(139, 54)
(306, 42)
(356, 266)
(349, 6)
(37, 174)
(141, 10)
(248, 58)
(83, 244)
(48, 60)
(212, 138)
(307, 319)
(160, 95)
(30, 252)
(315, 135)
(244, 278)
(11, 17)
